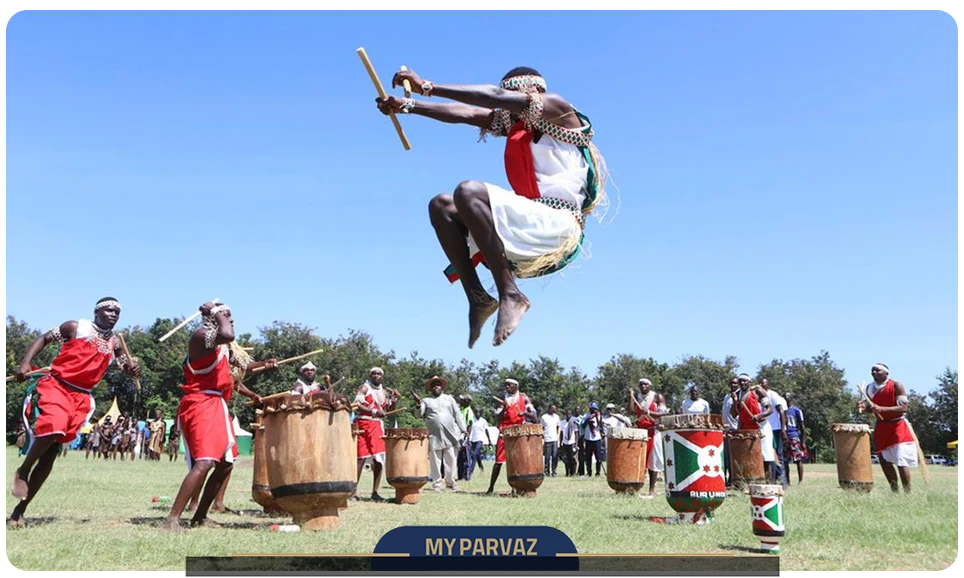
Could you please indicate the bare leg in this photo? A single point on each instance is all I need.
(496, 469)
(800, 472)
(376, 481)
(361, 467)
(652, 481)
(192, 483)
(39, 449)
(215, 483)
(471, 200)
(890, 473)
(37, 478)
(904, 477)
(219, 500)
(451, 233)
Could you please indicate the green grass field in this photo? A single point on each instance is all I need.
(93, 515)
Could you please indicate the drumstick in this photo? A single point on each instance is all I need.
(395, 411)
(498, 399)
(381, 92)
(31, 373)
(290, 359)
(406, 84)
(127, 353)
(183, 323)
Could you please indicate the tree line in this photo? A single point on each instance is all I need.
(817, 383)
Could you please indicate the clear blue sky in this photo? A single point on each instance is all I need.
(787, 181)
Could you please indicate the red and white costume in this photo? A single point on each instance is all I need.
(64, 399)
(370, 444)
(203, 418)
(892, 438)
(654, 446)
(513, 413)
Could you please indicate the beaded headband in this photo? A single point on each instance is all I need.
(525, 83)
(219, 308)
(108, 303)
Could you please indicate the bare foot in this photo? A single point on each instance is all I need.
(15, 522)
(20, 489)
(173, 525)
(511, 310)
(480, 309)
(205, 523)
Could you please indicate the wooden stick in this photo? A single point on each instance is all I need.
(387, 413)
(381, 92)
(183, 323)
(123, 344)
(31, 373)
(290, 359)
(920, 451)
(406, 84)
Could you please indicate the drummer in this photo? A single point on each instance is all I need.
(513, 409)
(373, 402)
(893, 438)
(751, 406)
(306, 383)
(649, 408)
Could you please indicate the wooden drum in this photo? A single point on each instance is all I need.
(626, 459)
(260, 491)
(406, 462)
(851, 442)
(693, 454)
(746, 457)
(310, 455)
(523, 457)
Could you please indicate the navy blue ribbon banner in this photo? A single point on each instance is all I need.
(482, 550)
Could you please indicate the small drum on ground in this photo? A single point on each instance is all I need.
(693, 455)
(626, 459)
(766, 505)
(406, 462)
(310, 455)
(746, 457)
(851, 442)
(523, 457)
(260, 491)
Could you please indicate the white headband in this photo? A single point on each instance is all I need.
(308, 365)
(744, 375)
(219, 308)
(512, 381)
(374, 369)
(882, 367)
(108, 303)
(646, 381)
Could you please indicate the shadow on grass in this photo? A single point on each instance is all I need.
(160, 523)
(32, 522)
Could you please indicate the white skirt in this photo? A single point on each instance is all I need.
(902, 454)
(528, 229)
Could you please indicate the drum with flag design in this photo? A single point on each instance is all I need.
(766, 504)
(693, 454)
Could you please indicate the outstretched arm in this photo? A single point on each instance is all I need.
(490, 96)
(450, 112)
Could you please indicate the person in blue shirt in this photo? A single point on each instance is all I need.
(795, 450)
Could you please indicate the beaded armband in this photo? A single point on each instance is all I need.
(54, 336)
(428, 88)
(408, 105)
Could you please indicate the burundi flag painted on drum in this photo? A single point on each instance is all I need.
(695, 482)
(766, 503)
